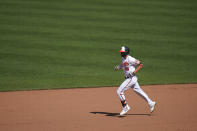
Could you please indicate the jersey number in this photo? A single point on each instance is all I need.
(126, 66)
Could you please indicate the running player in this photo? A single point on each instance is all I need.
(130, 67)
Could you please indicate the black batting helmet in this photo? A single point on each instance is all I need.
(124, 51)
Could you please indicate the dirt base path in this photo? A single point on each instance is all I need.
(96, 109)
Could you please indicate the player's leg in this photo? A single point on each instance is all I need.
(141, 93)
(120, 92)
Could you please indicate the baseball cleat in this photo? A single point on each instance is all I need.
(125, 110)
(152, 106)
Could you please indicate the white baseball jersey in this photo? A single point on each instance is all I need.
(128, 65)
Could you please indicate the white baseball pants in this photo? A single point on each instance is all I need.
(132, 83)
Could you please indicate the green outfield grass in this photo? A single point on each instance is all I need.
(75, 43)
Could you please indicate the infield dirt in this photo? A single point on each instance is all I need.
(96, 109)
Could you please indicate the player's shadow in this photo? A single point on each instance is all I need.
(118, 115)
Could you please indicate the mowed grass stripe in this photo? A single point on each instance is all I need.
(61, 4)
(97, 12)
(108, 26)
(149, 29)
(30, 8)
(62, 44)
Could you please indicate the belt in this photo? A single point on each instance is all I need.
(126, 77)
(129, 76)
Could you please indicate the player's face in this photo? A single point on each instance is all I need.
(122, 54)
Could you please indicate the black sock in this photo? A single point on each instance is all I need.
(124, 103)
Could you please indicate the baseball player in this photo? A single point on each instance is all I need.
(130, 67)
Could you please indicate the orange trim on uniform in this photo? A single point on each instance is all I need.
(122, 51)
(121, 92)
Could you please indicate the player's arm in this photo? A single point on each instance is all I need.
(139, 66)
(118, 67)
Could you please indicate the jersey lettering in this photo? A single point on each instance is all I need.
(126, 66)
